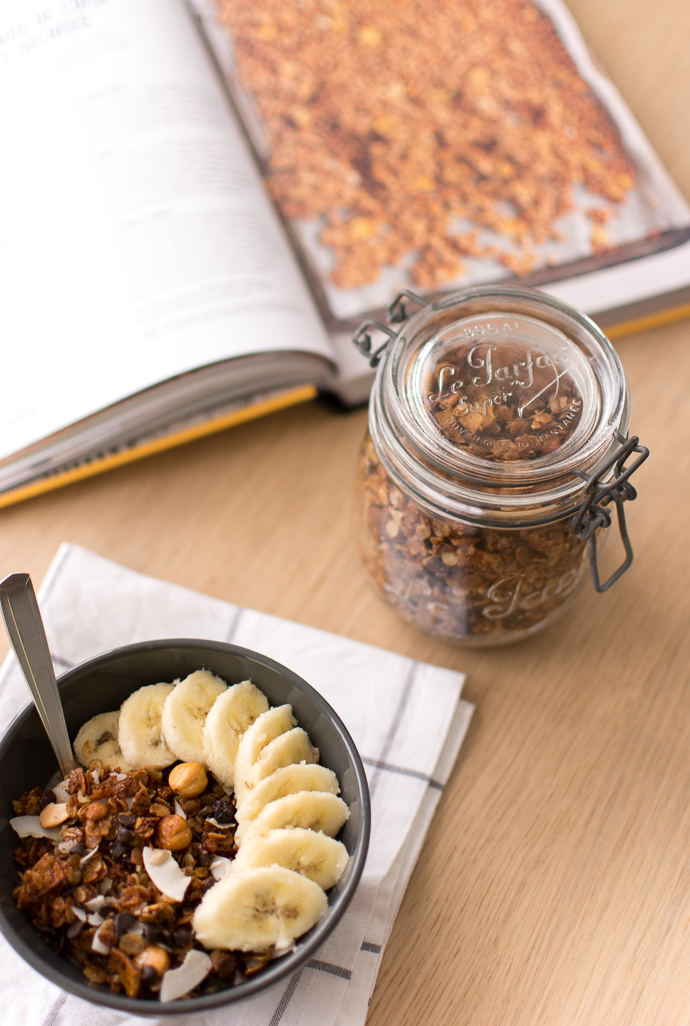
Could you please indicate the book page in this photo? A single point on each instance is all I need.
(137, 240)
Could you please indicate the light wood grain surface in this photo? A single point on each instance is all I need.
(554, 887)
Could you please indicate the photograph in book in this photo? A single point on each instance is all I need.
(476, 144)
(201, 199)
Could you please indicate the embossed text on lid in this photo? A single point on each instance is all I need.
(504, 387)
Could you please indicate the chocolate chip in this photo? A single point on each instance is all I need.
(182, 936)
(47, 798)
(120, 851)
(127, 819)
(223, 812)
(149, 974)
(152, 932)
(205, 858)
(126, 836)
(75, 929)
(124, 921)
(78, 849)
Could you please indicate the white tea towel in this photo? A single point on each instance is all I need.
(406, 718)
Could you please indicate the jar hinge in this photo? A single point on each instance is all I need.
(593, 513)
(397, 313)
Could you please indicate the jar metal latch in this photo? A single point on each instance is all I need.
(593, 513)
(397, 313)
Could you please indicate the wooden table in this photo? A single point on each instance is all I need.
(554, 887)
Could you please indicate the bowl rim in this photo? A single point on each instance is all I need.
(279, 968)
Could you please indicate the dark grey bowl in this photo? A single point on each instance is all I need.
(27, 760)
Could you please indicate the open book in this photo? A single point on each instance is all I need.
(153, 291)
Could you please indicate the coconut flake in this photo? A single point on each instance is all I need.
(179, 811)
(94, 919)
(219, 867)
(219, 826)
(106, 885)
(79, 913)
(30, 826)
(60, 791)
(177, 982)
(88, 857)
(98, 946)
(95, 903)
(120, 776)
(165, 874)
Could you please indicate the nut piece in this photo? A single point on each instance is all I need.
(132, 944)
(155, 957)
(173, 833)
(53, 815)
(188, 779)
(97, 810)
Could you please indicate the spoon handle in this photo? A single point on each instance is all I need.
(27, 634)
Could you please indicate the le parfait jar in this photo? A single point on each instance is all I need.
(496, 453)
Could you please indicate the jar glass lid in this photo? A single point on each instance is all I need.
(507, 389)
(498, 397)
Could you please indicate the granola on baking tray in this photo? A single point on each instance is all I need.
(390, 122)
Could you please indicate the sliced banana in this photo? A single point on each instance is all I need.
(266, 728)
(287, 780)
(185, 712)
(285, 750)
(312, 810)
(313, 855)
(232, 712)
(257, 909)
(98, 739)
(140, 734)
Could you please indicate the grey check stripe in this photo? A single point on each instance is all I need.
(397, 718)
(233, 625)
(313, 963)
(375, 949)
(61, 661)
(390, 768)
(55, 1010)
(285, 1000)
(328, 967)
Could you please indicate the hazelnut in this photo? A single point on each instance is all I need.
(155, 957)
(53, 815)
(173, 833)
(188, 779)
(97, 810)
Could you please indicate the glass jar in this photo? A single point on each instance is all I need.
(497, 443)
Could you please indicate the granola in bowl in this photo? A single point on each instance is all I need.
(144, 877)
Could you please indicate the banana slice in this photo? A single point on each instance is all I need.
(264, 729)
(98, 739)
(139, 734)
(258, 909)
(287, 780)
(230, 715)
(185, 712)
(292, 747)
(313, 855)
(312, 810)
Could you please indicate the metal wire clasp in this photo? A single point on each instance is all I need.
(593, 513)
(397, 313)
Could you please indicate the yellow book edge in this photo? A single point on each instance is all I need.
(302, 394)
(137, 452)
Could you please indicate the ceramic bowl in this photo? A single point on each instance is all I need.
(101, 684)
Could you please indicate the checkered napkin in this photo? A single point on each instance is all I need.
(406, 718)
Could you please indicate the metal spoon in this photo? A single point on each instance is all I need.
(27, 634)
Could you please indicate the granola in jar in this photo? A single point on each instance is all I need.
(492, 412)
